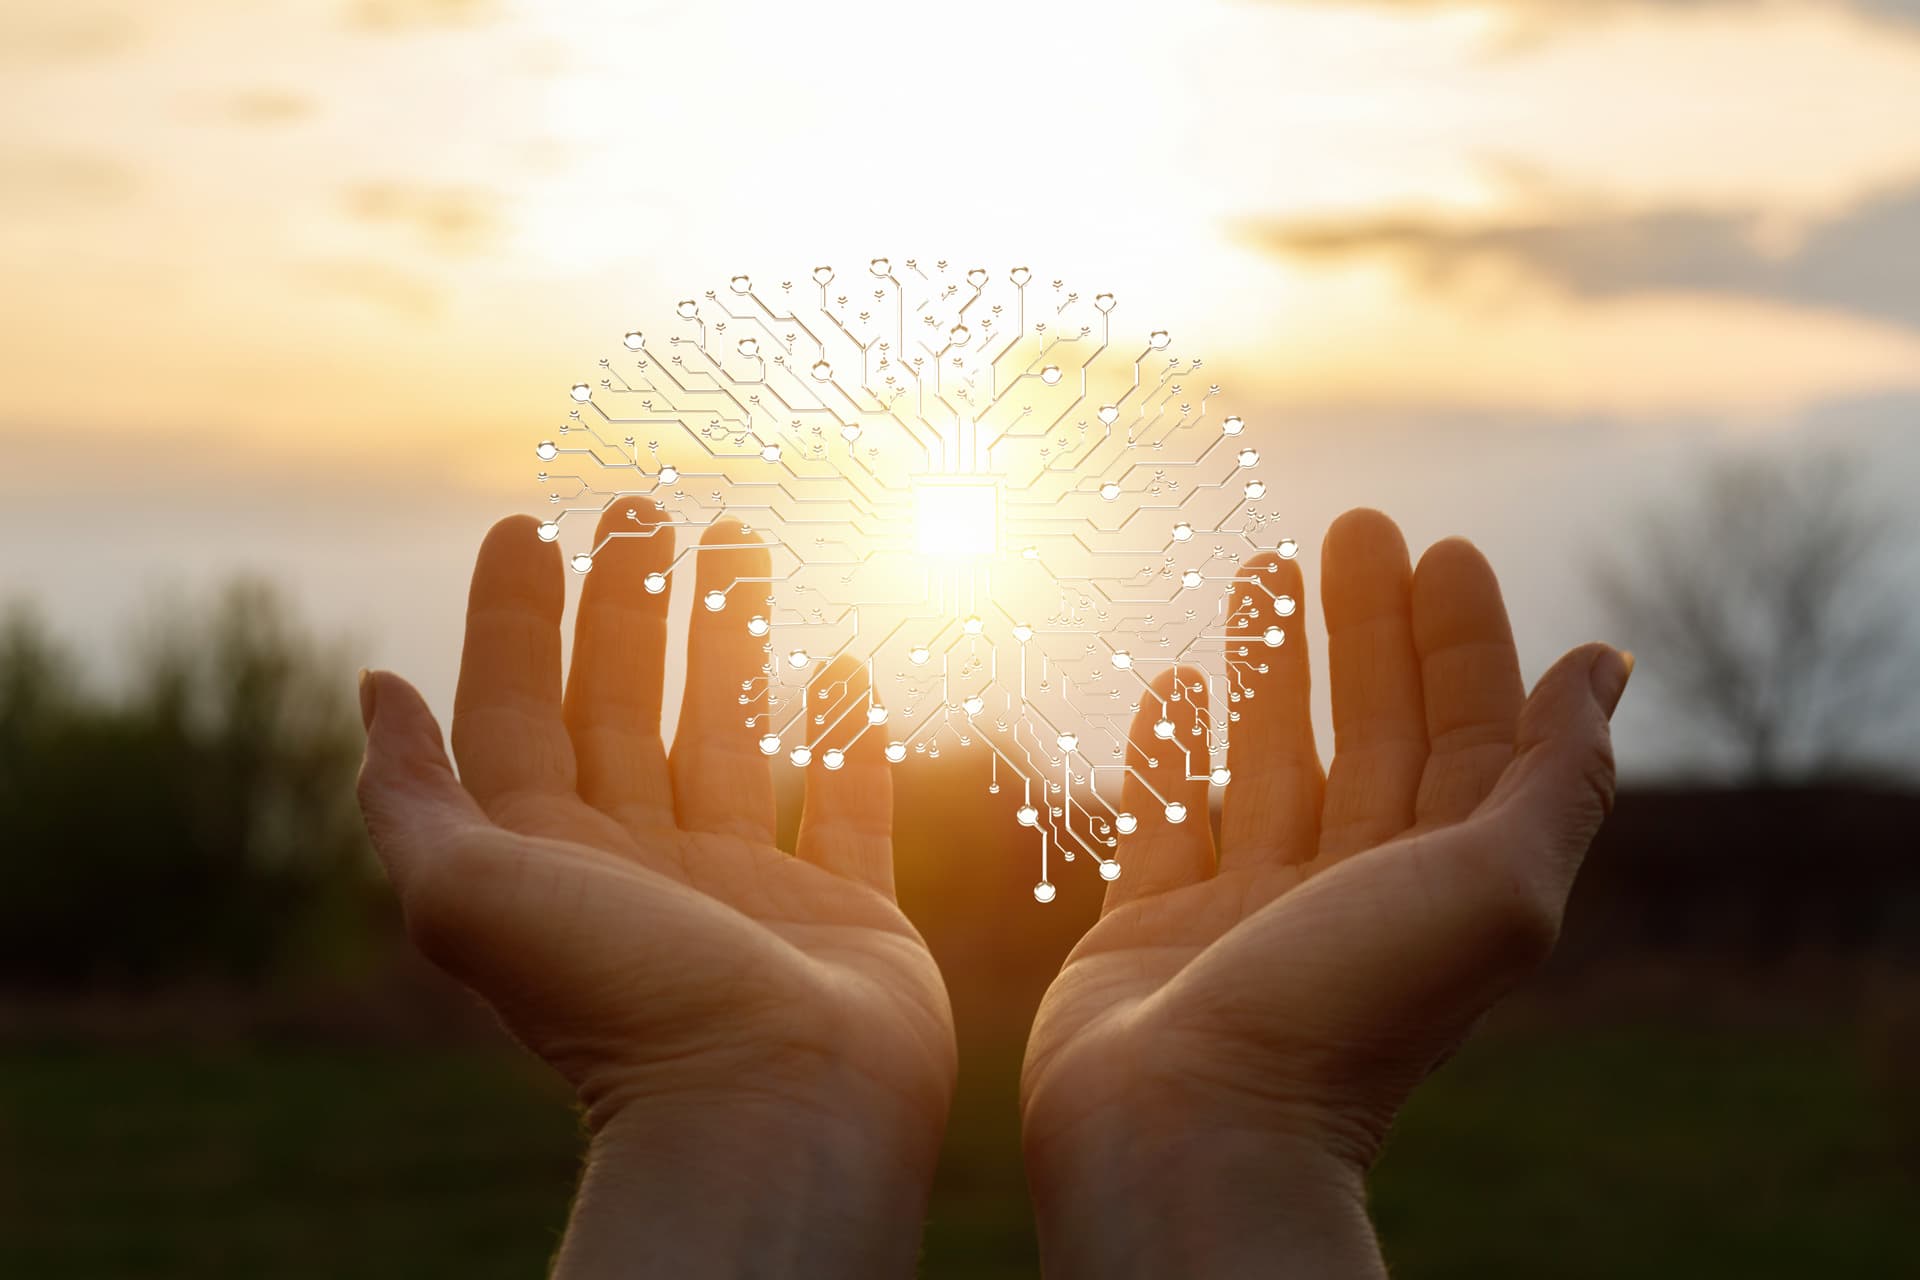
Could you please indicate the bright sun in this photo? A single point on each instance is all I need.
(957, 519)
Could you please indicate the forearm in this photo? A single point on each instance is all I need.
(1201, 1205)
(751, 1190)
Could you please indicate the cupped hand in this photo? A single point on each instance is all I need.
(761, 1041)
(1215, 1067)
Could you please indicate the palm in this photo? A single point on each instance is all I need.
(629, 916)
(1356, 924)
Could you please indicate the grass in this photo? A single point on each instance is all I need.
(1602, 1152)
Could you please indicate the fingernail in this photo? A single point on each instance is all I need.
(1609, 677)
(366, 698)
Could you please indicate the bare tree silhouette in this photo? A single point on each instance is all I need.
(1765, 604)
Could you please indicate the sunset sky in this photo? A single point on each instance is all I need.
(291, 287)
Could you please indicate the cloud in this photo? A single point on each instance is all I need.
(1862, 262)
(389, 288)
(265, 106)
(401, 15)
(456, 221)
(52, 181)
(33, 36)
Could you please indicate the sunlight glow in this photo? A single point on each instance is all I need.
(957, 520)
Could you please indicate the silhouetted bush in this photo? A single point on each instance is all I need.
(197, 824)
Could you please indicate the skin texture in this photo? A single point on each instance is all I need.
(762, 1044)
(1232, 1040)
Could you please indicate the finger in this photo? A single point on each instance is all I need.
(414, 807)
(1272, 807)
(612, 707)
(1470, 674)
(508, 735)
(721, 782)
(1560, 784)
(1166, 792)
(1379, 716)
(846, 823)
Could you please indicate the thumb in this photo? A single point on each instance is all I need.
(1560, 784)
(413, 804)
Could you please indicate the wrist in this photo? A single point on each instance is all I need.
(1151, 1200)
(750, 1184)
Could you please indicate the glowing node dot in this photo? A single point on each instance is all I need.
(635, 340)
(1163, 728)
(1109, 491)
(547, 450)
(896, 751)
(822, 370)
(1288, 548)
(1122, 659)
(716, 600)
(798, 658)
(749, 348)
(1274, 637)
(1109, 413)
(972, 626)
(582, 563)
(974, 705)
(655, 583)
(834, 758)
(1109, 870)
(1221, 777)
(1043, 892)
(771, 453)
(757, 626)
(1050, 375)
(548, 531)
(876, 715)
(581, 391)
(1249, 457)
(1191, 578)
(1026, 815)
(669, 475)
(800, 756)
(1176, 812)
(1233, 426)
(918, 655)
(770, 745)
(1183, 532)
(850, 432)
(1068, 741)
(1158, 339)
(1126, 824)
(1255, 489)
(1022, 632)
(1284, 606)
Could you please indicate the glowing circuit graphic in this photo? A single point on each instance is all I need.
(1009, 511)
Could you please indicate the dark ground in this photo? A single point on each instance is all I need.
(1719, 1076)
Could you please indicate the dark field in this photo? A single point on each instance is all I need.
(1539, 1151)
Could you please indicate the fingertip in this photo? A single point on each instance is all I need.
(1364, 567)
(1364, 531)
(367, 703)
(516, 564)
(1608, 676)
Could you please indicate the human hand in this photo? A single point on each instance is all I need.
(1214, 1070)
(762, 1042)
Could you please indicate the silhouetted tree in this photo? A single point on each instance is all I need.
(200, 824)
(1765, 603)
